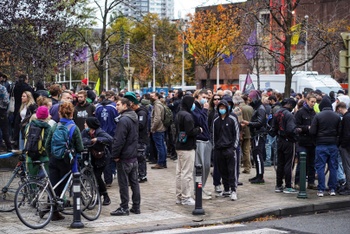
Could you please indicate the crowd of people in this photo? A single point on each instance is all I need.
(228, 131)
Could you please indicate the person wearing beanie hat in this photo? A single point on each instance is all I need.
(325, 103)
(90, 93)
(284, 126)
(185, 147)
(42, 112)
(92, 122)
(132, 97)
(97, 141)
(84, 81)
(143, 139)
(37, 123)
(325, 127)
(257, 125)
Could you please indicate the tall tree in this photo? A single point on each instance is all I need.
(33, 34)
(284, 21)
(211, 34)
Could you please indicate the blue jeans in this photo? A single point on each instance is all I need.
(326, 154)
(270, 144)
(158, 138)
(340, 171)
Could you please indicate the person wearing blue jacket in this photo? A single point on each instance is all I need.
(204, 146)
(106, 112)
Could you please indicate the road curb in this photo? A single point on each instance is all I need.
(277, 212)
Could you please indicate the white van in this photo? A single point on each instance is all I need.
(301, 81)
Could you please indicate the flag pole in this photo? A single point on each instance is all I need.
(107, 68)
(129, 75)
(217, 75)
(154, 63)
(70, 72)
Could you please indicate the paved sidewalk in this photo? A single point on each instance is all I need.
(159, 211)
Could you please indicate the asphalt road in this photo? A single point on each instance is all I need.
(332, 222)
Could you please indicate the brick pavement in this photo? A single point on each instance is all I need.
(159, 211)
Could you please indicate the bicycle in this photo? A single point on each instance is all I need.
(11, 181)
(35, 200)
(93, 211)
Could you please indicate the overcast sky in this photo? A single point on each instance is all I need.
(188, 6)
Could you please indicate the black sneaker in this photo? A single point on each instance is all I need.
(135, 211)
(142, 179)
(120, 212)
(106, 200)
(257, 181)
(254, 178)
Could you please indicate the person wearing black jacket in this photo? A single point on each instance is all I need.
(226, 142)
(185, 147)
(97, 140)
(124, 152)
(306, 143)
(326, 128)
(284, 126)
(142, 114)
(257, 125)
(344, 146)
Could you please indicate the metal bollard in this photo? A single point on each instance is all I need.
(198, 210)
(302, 181)
(76, 204)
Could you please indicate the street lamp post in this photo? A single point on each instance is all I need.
(306, 27)
(154, 62)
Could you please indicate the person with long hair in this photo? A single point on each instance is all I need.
(25, 111)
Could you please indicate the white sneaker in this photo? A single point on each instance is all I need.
(233, 196)
(188, 202)
(206, 192)
(218, 189)
(205, 196)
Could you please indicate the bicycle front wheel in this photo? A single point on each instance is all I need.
(34, 205)
(9, 182)
(91, 199)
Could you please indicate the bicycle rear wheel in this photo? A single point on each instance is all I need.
(9, 182)
(91, 207)
(34, 205)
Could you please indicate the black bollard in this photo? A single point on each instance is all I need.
(198, 210)
(77, 202)
(302, 182)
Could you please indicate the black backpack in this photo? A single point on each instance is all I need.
(33, 143)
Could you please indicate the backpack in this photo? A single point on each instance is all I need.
(33, 143)
(168, 116)
(61, 139)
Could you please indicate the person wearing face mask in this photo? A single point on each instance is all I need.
(226, 142)
(203, 150)
(185, 147)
